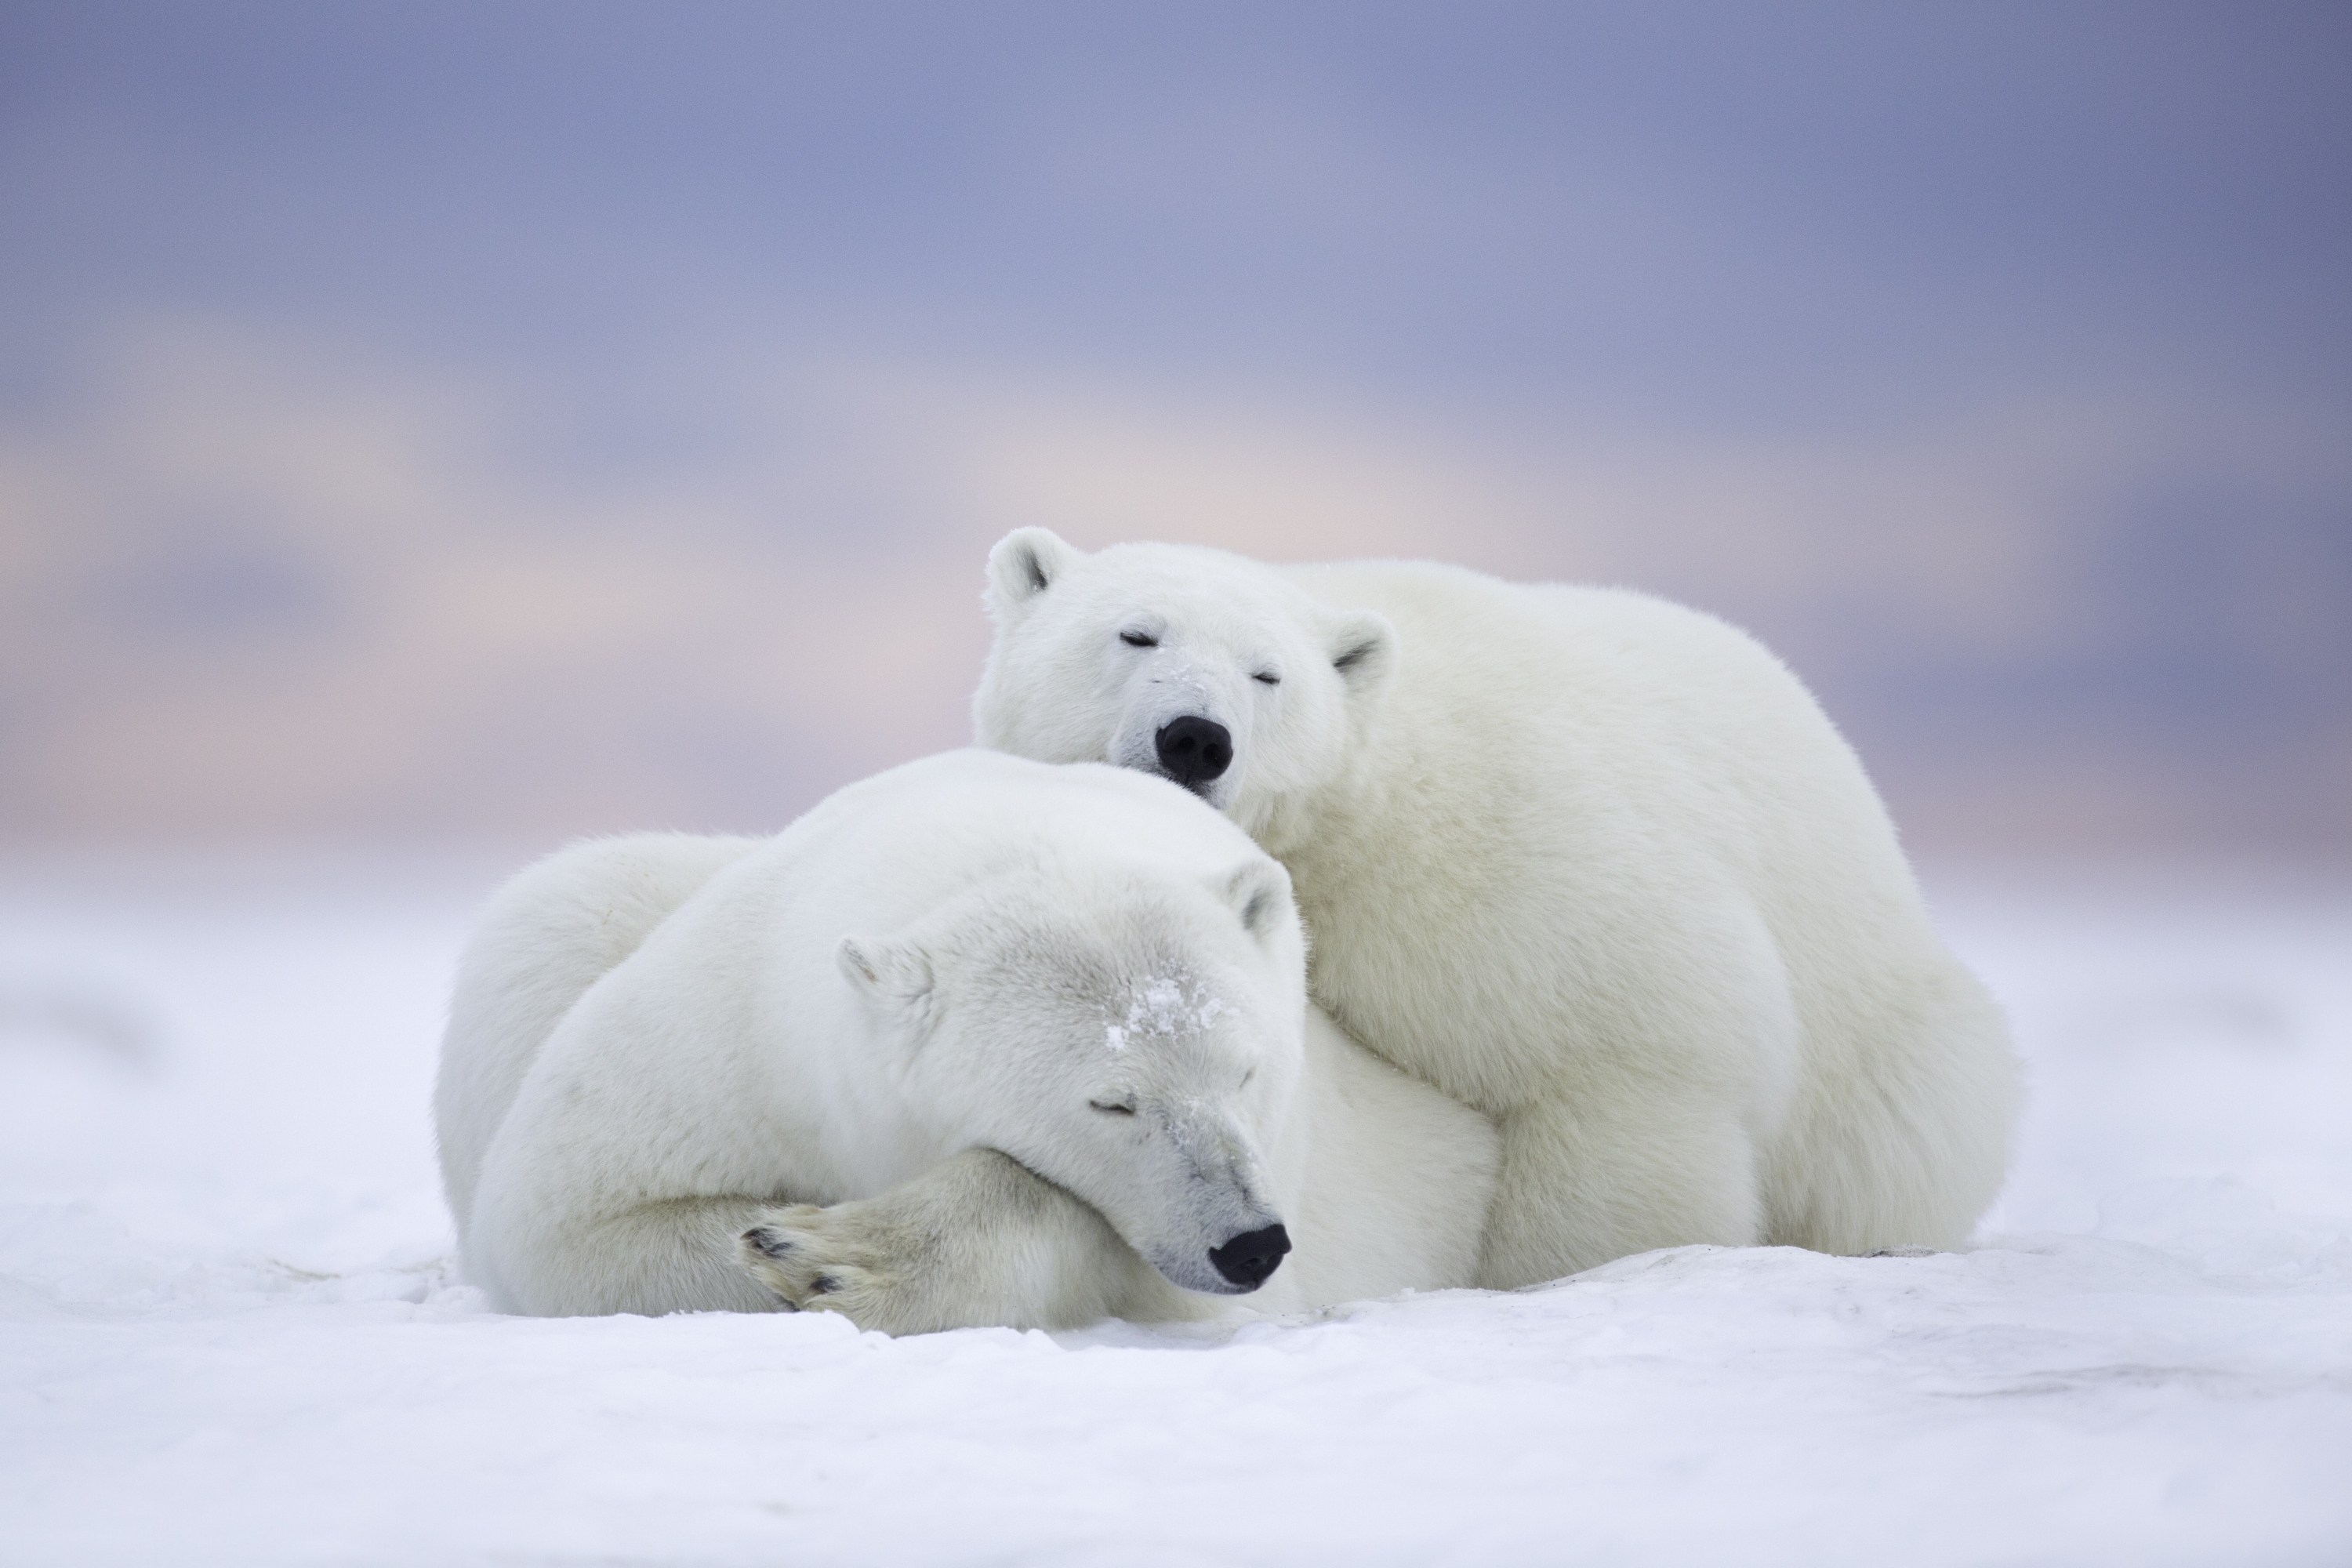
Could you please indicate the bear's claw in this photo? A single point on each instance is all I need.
(766, 1242)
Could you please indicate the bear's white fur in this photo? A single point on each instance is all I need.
(821, 1069)
(1592, 863)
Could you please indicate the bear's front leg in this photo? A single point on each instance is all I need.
(977, 1240)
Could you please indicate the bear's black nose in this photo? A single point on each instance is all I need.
(1250, 1258)
(1195, 750)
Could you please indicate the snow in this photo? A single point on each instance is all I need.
(232, 1335)
(1160, 1007)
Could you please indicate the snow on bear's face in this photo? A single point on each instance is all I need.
(1198, 666)
(1132, 1041)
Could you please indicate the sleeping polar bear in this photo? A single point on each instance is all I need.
(1590, 862)
(665, 1052)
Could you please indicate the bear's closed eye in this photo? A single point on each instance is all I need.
(1138, 639)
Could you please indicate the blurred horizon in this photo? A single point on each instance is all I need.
(429, 424)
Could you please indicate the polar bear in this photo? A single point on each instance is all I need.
(830, 1069)
(1592, 863)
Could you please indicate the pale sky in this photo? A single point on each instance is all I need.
(462, 421)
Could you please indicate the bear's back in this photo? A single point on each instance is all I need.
(547, 935)
(1574, 783)
(1602, 704)
(886, 849)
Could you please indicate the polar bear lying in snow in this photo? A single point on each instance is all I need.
(1590, 862)
(830, 1069)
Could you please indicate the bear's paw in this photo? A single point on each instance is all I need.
(842, 1259)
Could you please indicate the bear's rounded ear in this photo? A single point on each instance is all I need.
(1024, 564)
(1258, 893)
(1363, 646)
(895, 976)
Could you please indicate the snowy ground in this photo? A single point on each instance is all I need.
(231, 1335)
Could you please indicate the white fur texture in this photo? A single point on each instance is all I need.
(1592, 863)
(970, 1042)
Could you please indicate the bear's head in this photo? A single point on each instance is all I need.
(1132, 1036)
(1203, 668)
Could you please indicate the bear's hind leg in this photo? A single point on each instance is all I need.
(1576, 1190)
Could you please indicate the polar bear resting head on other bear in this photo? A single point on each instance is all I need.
(975, 1041)
(1594, 864)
